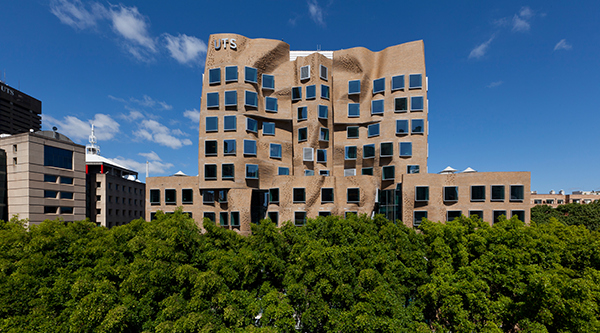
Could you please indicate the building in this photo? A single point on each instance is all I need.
(114, 195)
(45, 176)
(3, 188)
(19, 112)
(555, 199)
(297, 134)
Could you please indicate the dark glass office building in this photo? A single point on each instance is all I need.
(19, 112)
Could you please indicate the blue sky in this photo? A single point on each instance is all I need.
(513, 86)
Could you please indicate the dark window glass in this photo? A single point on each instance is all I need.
(273, 195)
(235, 219)
(170, 196)
(50, 209)
(299, 218)
(66, 195)
(268, 82)
(230, 98)
(210, 148)
(353, 195)
(377, 106)
(222, 196)
(212, 124)
(187, 196)
(498, 192)
(412, 169)
(212, 100)
(373, 130)
(388, 172)
(155, 196)
(210, 216)
(400, 104)
(210, 171)
(326, 195)
(497, 214)
(50, 194)
(296, 93)
(324, 91)
(66, 210)
(302, 134)
(51, 178)
(369, 151)
(271, 104)
(251, 99)
(321, 156)
(252, 171)
(417, 126)
(57, 157)
(421, 193)
(415, 81)
(274, 217)
(229, 147)
(419, 217)
(451, 193)
(352, 132)
(397, 82)
(378, 85)
(520, 214)
(299, 195)
(281, 171)
(367, 171)
(214, 76)
(386, 149)
(208, 196)
(353, 87)
(453, 214)
(478, 213)
(228, 171)
(311, 92)
(302, 113)
(478, 193)
(416, 103)
(350, 153)
(324, 134)
(231, 73)
(250, 74)
(517, 193)
(66, 180)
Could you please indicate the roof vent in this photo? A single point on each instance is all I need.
(552, 192)
(469, 170)
(179, 174)
(448, 170)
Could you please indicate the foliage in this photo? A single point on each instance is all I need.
(587, 215)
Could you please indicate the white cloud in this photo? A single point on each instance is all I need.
(520, 20)
(133, 115)
(562, 45)
(146, 101)
(77, 129)
(131, 25)
(193, 115)
(185, 49)
(74, 13)
(179, 132)
(154, 131)
(152, 156)
(495, 84)
(525, 12)
(480, 50)
(155, 166)
(316, 12)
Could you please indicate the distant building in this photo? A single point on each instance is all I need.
(555, 199)
(3, 188)
(19, 112)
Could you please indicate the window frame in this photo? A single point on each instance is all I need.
(174, 193)
(365, 150)
(271, 195)
(208, 100)
(302, 112)
(226, 175)
(280, 169)
(268, 100)
(296, 219)
(322, 152)
(384, 169)
(348, 132)
(417, 187)
(396, 109)
(418, 223)
(250, 153)
(206, 129)
(324, 134)
(302, 78)
(301, 192)
(234, 222)
(381, 149)
(447, 195)
(227, 142)
(226, 74)
(347, 149)
(353, 113)
(332, 192)
(211, 152)
(267, 123)
(380, 102)
(492, 193)
(305, 130)
(298, 96)
(325, 92)
(255, 74)
(224, 222)
(377, 81)
(363, 171)
(248, 93)
(410, 83)
(263, 82)
(321, 72)
(210, 75)
(206, 169)
(373, 126)
(251, 165)
(275, 145)
(522, 193)
(411, 167)
(357, 189)
(229, 117)
(473, 199)
(397, 78)
(184, 199)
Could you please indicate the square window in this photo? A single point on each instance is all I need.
(305, 72)
(308, 154)
(412, 169)
(250, 147)
(421, 193)
(187, 196)
(415, 81)
(311, 92)
(251, 125)
(299, 218)
(418, 126)
(268, 82)
(386, 149)
(378, 85)
(398, 82)
(324, 91)
(155, 197)
(353, 195)
(274, 217)
(302, 113)
(354, 87)
(323, 172)
(210, 171)
(366, 171)
(517, 192)
(401, 126)
(273, 195)
(229, 123)
(223, 196)
(223, 219)
(212, 124)
(373, 130)
(212, 100)
(326, 195)
(352, 132)
(323, 111)
(478, 193)
(309, 172)
(251, 99)
(214, 76)
(497, 214)
(271, 104)
(231, 74)
(497, 192)
(377, 106)
(324, 134)
(228, 171)
(324, 72)
(231, 98)
(296, 93)
(519, 213)
(170, 196)
(388, 172)
(369, 151)
(283, 171)
(251, 171)
(250, 74)
(353, 110)
(210, 216)
(416, 103)
(210, 148)
(400, 104)
(235, 219)
(451, 215)
(275, 150)
(302, 134)
(478, 213)
(419, 216)
(350, 153)
(268, 128)
(321, 155)
(229, 147)
(450, 193)
(299, 195)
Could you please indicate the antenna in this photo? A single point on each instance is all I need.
(92, 148)
(147, 169)
(318, 47)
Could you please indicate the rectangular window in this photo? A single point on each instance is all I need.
(366, 171)
(324, 72)
(229, 147)
(323, 111)
(251, 125)
(305, 72)
(210, 148)
(416, 103)
(497, 192)
(377, 106)
(352, 132)
(324, 173)
(212, 100)
(321, 155)
(309, 172)
(275, 150)
(212, 124)
(222, 196)
(274, 217)
(325, 91)
(296, 93)
(302, 134)
(388, 172)
(268, 128)
(419, 216)
(519, 213)
(251, 99)
(230, 98)
(214, 76)
(283, 171)
(208, 196)
(412, 169)
(229, 123)
(386, 149)
(421, 193)
(398, 82)
(418, 126)
(324, 214)
(299, 218)
(378, 85)
(350, 153)
(354, 87)
(268, 82)
(271, 104)
(308, 154)
(517, 192)
(450, 193)
(223, 219)
(231, 74)
(155, 197)
(170, 196)
(66, 195)
(401, 126)
(353, 195)
(326, 195)
(187, 196)
(227, 171)
(66, 180)
(311, 92)
(478, 213)
(451, 215)
(369, 151)
(251, 171)
(302, 113)
(235, 219)
(250, 147)
(250, 74)
(324, 134)
(52, 179)
(66, 210)
(349, 172)
(400, 104)
(478, 193)
(210, 171)
(57, 157)
(497, 214)
(299, 195)
(415, 81)
(50, 209)
(373, 130)
(210, 216)
(50, 194)
(353, 110)
(273, 195)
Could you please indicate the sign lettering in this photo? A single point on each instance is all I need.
(7, 90)
(224, 41)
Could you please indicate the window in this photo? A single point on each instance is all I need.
(296, 93)
(386, 149)
(323, 111)
(324, 214)
(388, 172)
(275, 150)
(210, 216)
(309, 172)
(170, 196)
(223, 196)
(15, 148)
(517, 192)
(377, 106)
(497, 192)
(212, 124)
(550, 201)
(250, 147)
(223, 219)
(229, 147)
(268, 82)
(560, 201)
(450, 193)
(212, 100)
(324, 72)
(231, 73)
(52, 179)
(251, 171)
(210, 148)
(398, 82)
(311, 92)
(235, 219)
(497, 214)
(251, 125)
(350, 153)
(349, 172)
(478, 213)
(271, 104)
(378, 85)
(250, 74)
(324, 134)
(324, 91)
(187, 196)
(302, 113)
(283, 171)
(302, 134)
(421, 193)
(353, 195)
(400, 104)
(66, 195)
(415, 81)
(451, 215)
(273, 195)
(366, 171)
(214, 76)
(305, 72)
(231, 98)
(308, 154)
(323, 172)
(352, 132)
(50, 194)
(154, 197)
(417, 126)
(274, 217)
(373, 130)
(412, 169)
(210, 171)
(208, 196)
(227, 171)
(251, 99)
(299, 218)
(419, 216)
(321, 155)
(66, 180)
(354, 87)
(66, 210)
(326, 195)
(519, 213)
(299, 195)
(416, 103)
(478, 193)
(50, 209)
(353, 110)
(229, 123)
(369, 151)
(57, 157)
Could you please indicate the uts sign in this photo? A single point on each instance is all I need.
(232, 44)
(7, 90)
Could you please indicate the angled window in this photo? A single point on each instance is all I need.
(68, 180)
(323, 172)
(326, 195)
(400, 104)
(268, 82)
(386, 149)
(367, 171)
(274, 217)
(187, 196)
(353, 195)
(421, 193)
(210, 148)
(212, 100)
(208, 196)
(222, 196)
(212, 124)
(350, 153)
(405, 149)
(210, 171)
(251, 125)
(308, 154)
(154, 197)
(373, 130)
(451, 215)
(388, 172)
(268, 128)
(223, 219)
(302, 134)
(416, 103)
(275, 150)
(378, 85)
(419, 216)
(324, 134)
(517, 192)
(283, 171)
(250, 147)
(299, 219)
(251, 99)
(353, 87)
(324, 91)
(251, 171)
(311, 92)
(296, 93)
(273, 195)
(450, 193)
(229, 123)
(210, 216)
(349, 172)
(324, 72)
(322, 155)
(323, 111)
(369, 151)
(250, 74)
(353, 110)
(412, 169)
(231, 98)
(231, 74)
(309, 172)
(478, 193)
(214, 76)
(401, 126)
(498, 214)
(299, 195)
(397, 82)
(415, 81)
(229, 147)
(418, 126)
(271, 104)
(497, 192)
(377, 106)
(352, 132)
(228, 171)
(519, 213)
(302, 113)
(305, 72)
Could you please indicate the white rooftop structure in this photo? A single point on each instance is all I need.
(469, 170)
(448, 170)
(296, 54)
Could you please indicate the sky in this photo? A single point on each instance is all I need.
(513, 85)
